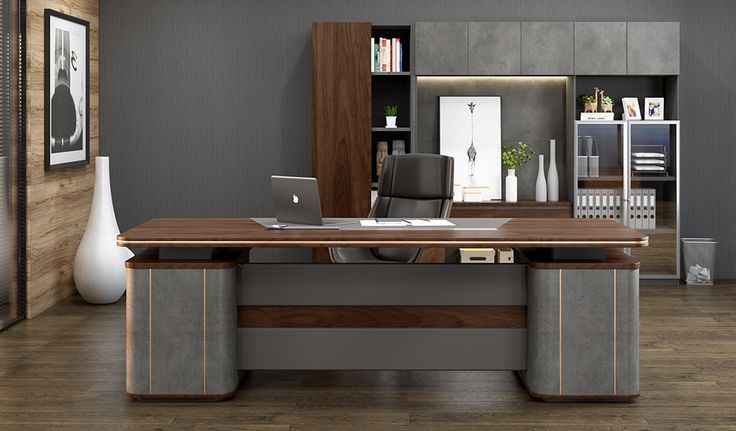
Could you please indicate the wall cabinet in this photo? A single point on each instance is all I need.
(653, 48)
(547, 48)
(441, 48)
(600, 48)
(494, 48)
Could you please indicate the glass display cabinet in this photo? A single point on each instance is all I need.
(628, 171)
(655, 190)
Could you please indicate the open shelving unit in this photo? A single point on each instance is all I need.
(392, 88)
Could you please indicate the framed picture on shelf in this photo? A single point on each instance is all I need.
(631, 108)
(654, 108)
(470, 132)
(67, 91)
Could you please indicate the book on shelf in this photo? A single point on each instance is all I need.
(387, 55)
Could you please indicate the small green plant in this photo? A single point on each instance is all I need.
(588, 99)
(515, 157)
(391, 110)
(606, 100)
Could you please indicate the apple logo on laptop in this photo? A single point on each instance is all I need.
(295, 199)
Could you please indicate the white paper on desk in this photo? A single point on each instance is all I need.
(428, 223)
(375, 223)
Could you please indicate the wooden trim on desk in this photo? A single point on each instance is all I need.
(382, 317)
(615, 259)
(382, 243)
(148, 259)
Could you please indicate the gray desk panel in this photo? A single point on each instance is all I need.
(382, 284)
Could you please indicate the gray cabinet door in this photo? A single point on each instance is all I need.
(494, 48)
(653, 48)
(546, 48)
(600, 48)
(441, 48)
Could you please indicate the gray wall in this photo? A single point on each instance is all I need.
(201, 101)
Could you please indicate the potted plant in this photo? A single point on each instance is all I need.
(589, 103)
(606, 104)
(391, 111)
(514, 157)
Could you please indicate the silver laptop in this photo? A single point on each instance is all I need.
(296, 203)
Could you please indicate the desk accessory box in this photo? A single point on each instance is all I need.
(477, 255)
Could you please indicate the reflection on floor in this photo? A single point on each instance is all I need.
(66, 369)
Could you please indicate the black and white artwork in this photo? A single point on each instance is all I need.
(470, 132)
(67, 91)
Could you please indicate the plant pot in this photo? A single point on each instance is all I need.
(391, 122)
(589, 107)
(607, 107)
(511, 186)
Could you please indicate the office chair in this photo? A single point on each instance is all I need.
(411, 186)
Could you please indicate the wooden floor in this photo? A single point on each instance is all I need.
(65, 370)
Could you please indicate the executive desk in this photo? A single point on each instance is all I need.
(564, 315)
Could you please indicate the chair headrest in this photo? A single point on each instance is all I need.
(417, 176)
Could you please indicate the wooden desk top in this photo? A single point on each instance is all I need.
(245, 233)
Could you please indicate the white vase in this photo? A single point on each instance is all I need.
(390, 122)
(99, 267)
(541, 194)
(553, 181)
(511, 183)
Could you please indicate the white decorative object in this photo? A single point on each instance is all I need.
(390, 122)
(511, 183)
(99, 267)
(553, 181)
(470, 132)
(541, 193)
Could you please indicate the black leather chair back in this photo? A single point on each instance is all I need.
(413, 186)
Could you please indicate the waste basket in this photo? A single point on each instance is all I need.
(699, 260)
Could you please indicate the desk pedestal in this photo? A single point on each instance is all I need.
(181, 330)
(583, 333)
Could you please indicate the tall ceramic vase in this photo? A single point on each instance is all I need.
(541, 194)
(553, 181)
(99, 267)
(511, 184)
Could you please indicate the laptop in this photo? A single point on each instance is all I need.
(296, 203)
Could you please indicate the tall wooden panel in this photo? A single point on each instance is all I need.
(341, 116)
(58, 202)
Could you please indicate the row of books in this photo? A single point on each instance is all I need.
(387, 55)
(606, 204)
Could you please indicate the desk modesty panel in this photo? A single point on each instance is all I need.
(246, 233)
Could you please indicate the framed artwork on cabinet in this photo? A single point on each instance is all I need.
(631, 108)
(67, 91)
(654, 108)
(470, 132)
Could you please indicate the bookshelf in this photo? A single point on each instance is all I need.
(392, 88)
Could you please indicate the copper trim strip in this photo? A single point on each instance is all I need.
(204, 325)
(560, 343)
(373, 243)
(150, 333)
(614, 333)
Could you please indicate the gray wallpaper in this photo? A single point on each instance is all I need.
(201, 101)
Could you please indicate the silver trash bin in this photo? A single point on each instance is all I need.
(699, 260)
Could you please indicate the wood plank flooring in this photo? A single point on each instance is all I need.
(65, 370)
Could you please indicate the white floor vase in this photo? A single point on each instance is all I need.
(99, 267)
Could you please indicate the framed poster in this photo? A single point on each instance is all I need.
(67, 91)
(654, 108)
(470, 132)
(631, 108)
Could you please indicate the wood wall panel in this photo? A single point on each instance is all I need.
(58, 201)
(381, 317)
